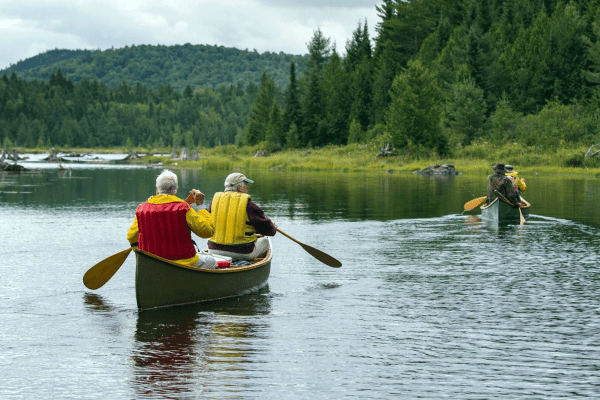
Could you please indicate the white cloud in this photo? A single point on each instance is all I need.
(29, 28)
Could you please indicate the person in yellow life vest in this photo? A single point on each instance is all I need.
(513, 175)
(237, 221)
(162, 225)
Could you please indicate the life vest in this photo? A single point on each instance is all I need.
(163, 230)
(232, 225)
(513, 180)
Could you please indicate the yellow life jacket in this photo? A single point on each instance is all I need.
(228, 212)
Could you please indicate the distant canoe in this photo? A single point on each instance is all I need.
(161, 283)
(502, 211)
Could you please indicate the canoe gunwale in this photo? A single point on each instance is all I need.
(164, 283)
(524, 203)
(227, 270)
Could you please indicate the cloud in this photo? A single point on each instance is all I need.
(29, 28)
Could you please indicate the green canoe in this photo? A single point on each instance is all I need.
(502, 211)
(161, 283)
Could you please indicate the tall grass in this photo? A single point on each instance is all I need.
(476, 158)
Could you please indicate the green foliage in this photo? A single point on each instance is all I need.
(414, 114)
(87, 114)
(197, 66)
(444, 77)
(355, 132)
(259, 116)
(465, 113)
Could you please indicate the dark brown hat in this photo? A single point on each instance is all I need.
(499, 167)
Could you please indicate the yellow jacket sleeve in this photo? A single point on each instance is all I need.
(200, 223)
(522, 186)
(134, 232)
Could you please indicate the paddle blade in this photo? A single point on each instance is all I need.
(323, 257)
(101, 273)
(471, 204)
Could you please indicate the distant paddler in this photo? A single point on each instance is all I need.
(499, 185)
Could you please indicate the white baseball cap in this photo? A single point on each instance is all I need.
(235, 178)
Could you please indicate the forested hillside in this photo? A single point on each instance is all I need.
(178, 66)
(441, 76)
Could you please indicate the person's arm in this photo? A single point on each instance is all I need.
(200, 223)
(259, 220)
(133, 233)
(509, 192)
(521, 184)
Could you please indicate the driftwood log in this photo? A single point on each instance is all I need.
(53, 157)
(589, 152)
(6, 166)
(263, 153)
(387, 151)
(447, 170)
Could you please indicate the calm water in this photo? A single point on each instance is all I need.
(430, 303)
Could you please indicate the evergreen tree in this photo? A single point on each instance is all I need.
(292, 112)
(336, 102)
(413, 117)
(273, 135)
(259, 116)
(465, 112)
(319, 49)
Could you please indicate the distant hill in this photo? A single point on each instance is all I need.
(201, 66)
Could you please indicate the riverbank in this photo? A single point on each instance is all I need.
(362, 158)
(475, 159)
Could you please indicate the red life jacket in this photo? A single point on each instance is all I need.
(163, 230)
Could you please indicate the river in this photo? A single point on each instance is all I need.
(429, 303)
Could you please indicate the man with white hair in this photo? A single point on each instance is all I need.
(238, 221)
(162, 225)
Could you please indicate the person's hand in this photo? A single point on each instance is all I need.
(195, 196)
(198, 196)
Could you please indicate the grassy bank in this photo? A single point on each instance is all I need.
(362, 158)
(475, 159)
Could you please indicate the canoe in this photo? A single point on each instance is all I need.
(161, 283)
(501, 211)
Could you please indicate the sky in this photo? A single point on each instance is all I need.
(31, 27)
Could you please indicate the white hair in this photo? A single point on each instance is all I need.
(234, 188)
(166, 183)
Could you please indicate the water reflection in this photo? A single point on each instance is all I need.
(176, 348)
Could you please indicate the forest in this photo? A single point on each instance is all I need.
(440, 77)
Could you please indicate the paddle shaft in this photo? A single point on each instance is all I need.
(318, 254)
(521, 217)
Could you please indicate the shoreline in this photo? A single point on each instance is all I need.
(349, 158)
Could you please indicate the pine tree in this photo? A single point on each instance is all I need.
(259, 116)
(292, 112)
(413, 117)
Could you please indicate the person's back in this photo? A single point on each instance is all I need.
(238, 222)
(498, 185)
(513, 175)
(163, 224)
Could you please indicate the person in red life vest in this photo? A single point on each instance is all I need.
(163, 225)
(238, 222)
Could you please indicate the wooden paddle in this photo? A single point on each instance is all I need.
(318, 254)
(101, 273)
(471, 204)
(522, 219)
